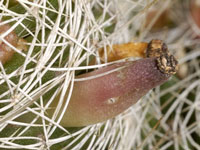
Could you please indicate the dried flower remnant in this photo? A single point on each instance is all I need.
(101, 98)
(6, 52)
(166, 62)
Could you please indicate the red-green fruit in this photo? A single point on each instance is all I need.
(102, 98)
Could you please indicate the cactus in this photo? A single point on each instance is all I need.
(64, 83)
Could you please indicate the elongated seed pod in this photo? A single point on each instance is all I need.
(99, 99)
